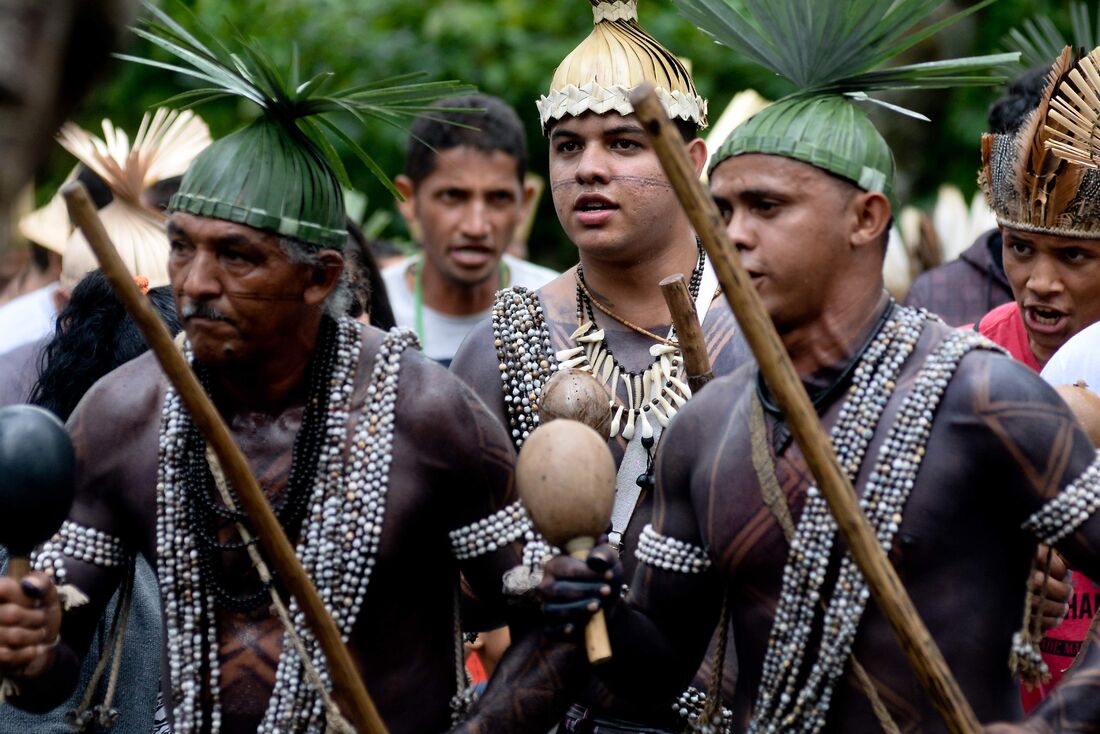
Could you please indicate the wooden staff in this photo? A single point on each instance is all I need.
(776, 367)
(689, 333)
(348, 688)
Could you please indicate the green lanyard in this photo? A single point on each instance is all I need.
(418, 294)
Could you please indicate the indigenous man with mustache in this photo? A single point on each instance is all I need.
(375, 459)
(963, 459)
(606, 314)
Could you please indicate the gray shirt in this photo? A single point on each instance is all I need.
(139, 676)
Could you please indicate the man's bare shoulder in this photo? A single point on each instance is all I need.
(558, 298)
(696, 437)
(129, 396)
(988, 377)
(476, 361)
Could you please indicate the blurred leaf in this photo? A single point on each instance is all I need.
(510, 48)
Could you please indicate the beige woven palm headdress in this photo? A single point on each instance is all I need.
(1044, 178)
(617, 56)
(165, 145)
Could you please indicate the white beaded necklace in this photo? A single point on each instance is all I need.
(790, 698)
(338, 545)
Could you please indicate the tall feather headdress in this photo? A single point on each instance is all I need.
(166, 143)
(831, 51)
(280, 173)
(599, 74)
(1043, 178)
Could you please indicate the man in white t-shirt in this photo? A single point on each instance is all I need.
(465, 195)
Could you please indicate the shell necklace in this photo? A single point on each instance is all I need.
(652, 395)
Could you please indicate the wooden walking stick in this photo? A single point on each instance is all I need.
(775, 365)
(348, 688)
(689, 332)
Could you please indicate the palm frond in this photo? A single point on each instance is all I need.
(1084, 33)
(249, 72)
(1039, 41)
(835, 46)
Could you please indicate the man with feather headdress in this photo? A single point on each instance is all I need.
(1050, 222)
(374, 458)
(1041, 182)
(961, 456)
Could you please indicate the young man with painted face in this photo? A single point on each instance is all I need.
(1051, 251)
(375, 459)
(607, 314)
(962, 458)
(464, 191)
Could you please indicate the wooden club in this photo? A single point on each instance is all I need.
(689, 332)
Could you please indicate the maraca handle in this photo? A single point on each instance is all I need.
(18, 568)
(596, 640)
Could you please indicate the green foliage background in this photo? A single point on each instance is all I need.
(510, 48)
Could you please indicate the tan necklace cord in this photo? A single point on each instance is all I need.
(634, 327)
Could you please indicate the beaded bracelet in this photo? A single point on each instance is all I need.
(1070, 509)
(80, 543)
(670, 554)
(490, 533)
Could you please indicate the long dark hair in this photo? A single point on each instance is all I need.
(94, 335)
(367, 287)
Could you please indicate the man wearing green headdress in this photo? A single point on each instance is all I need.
(961, 457)
(374, 458)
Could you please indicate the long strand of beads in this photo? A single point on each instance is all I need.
(854, 430)
(884, 499)
(293, 697)
(526, 358)
(345, 523)
(177, 565)
(872, 383)
(788, 631)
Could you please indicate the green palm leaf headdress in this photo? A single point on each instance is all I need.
(280, 173)
(831, 51)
